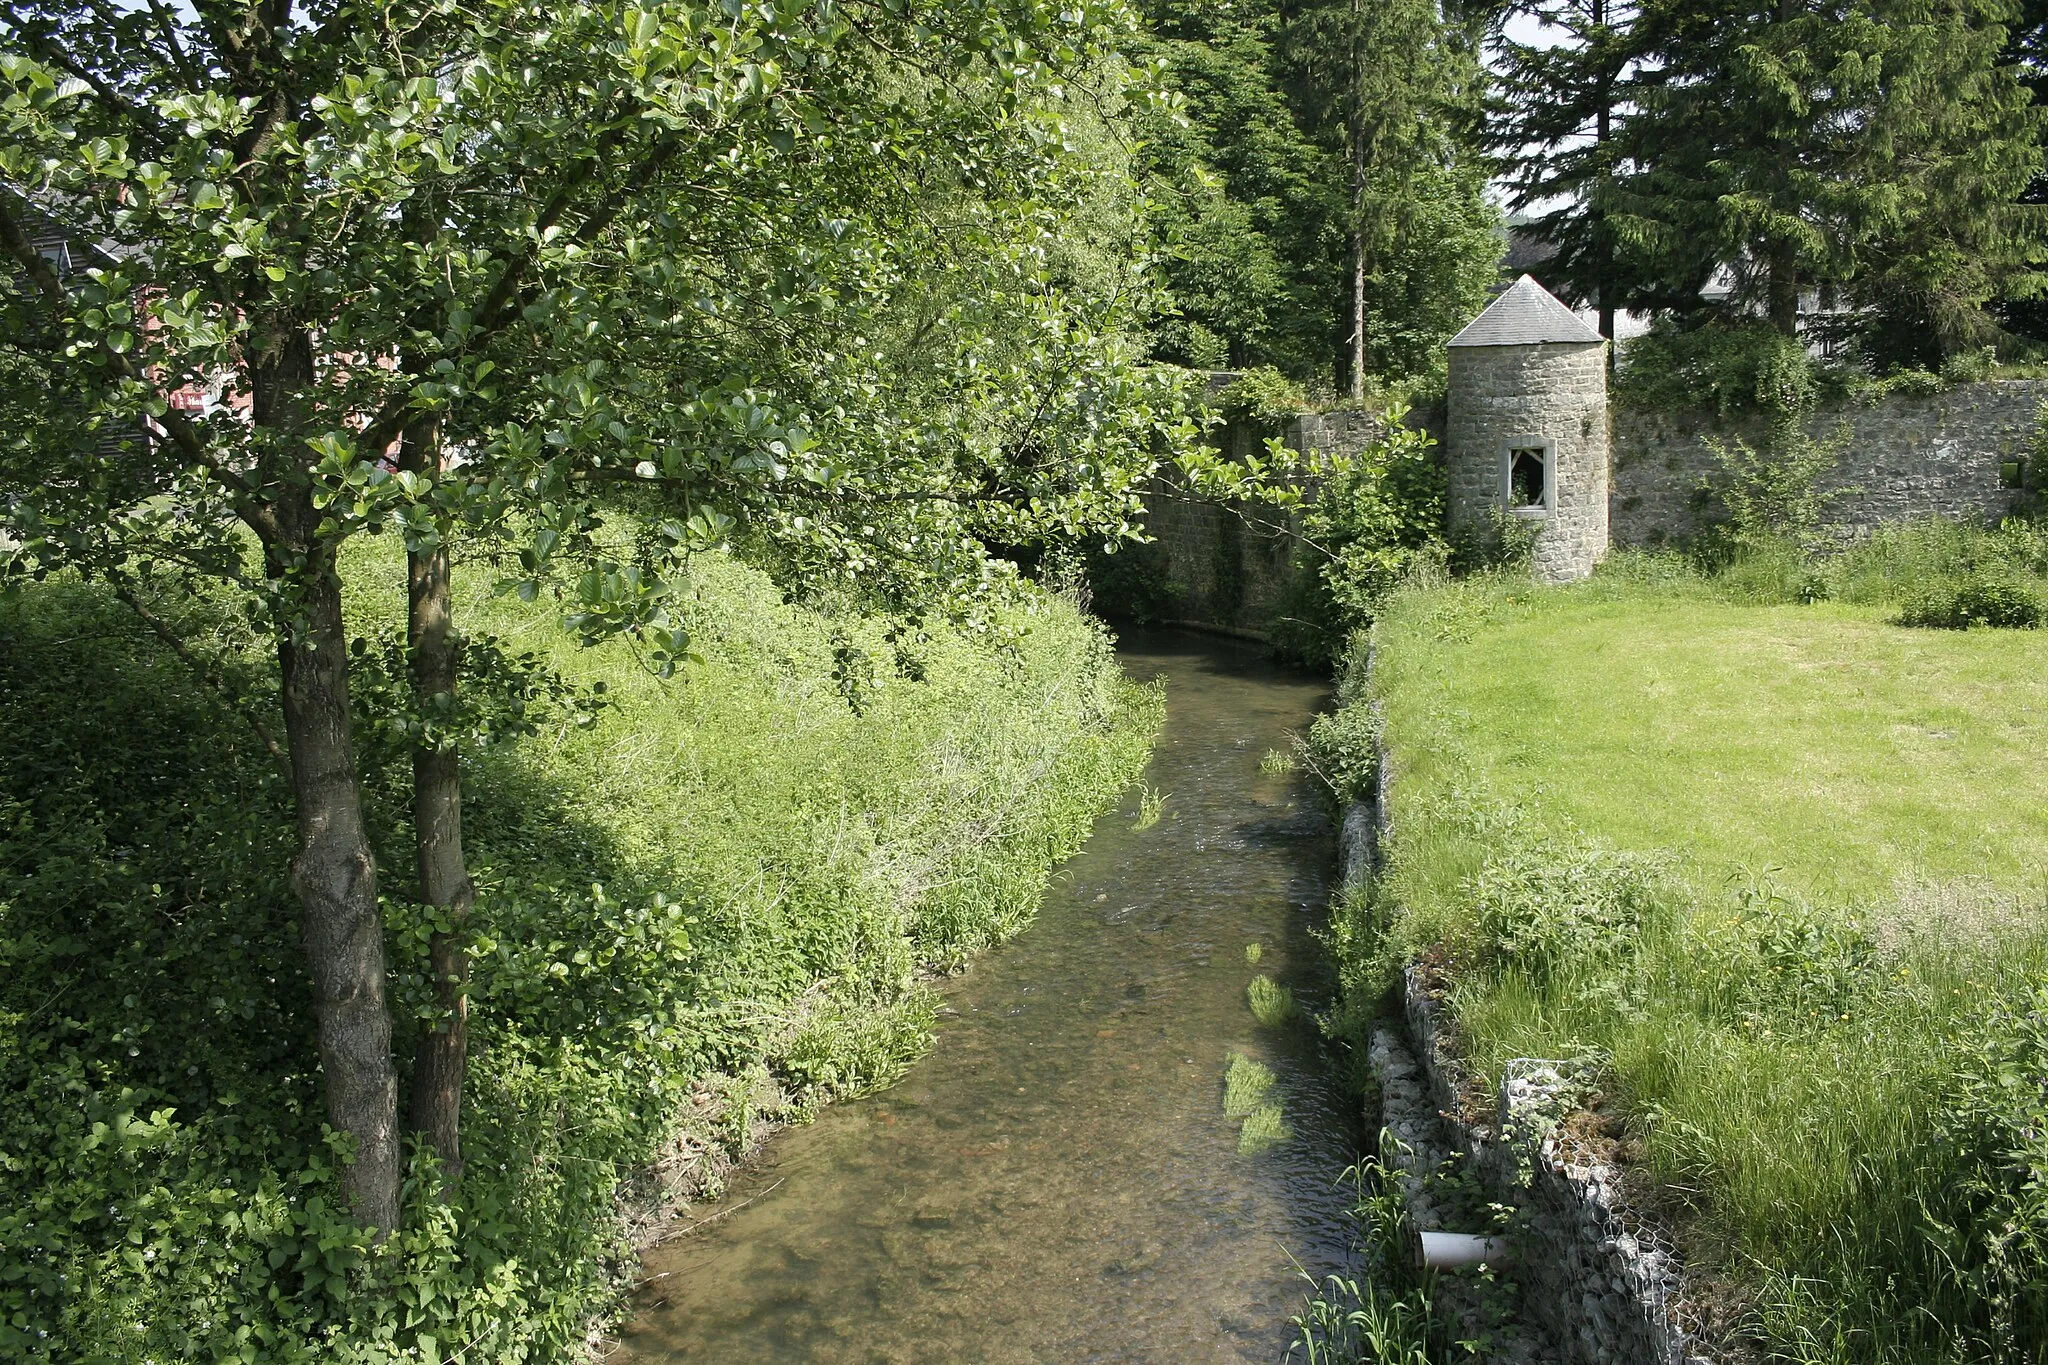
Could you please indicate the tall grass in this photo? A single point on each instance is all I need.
(706, 913)
(1662, 822)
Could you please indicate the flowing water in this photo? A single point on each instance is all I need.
(1058, 1181)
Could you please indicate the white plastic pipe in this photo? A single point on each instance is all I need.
(1450, 1250)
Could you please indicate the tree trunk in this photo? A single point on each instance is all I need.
(1603, 129)
(333, 872)
(435, 1108)
(1357, 203)
(335, 878)
(1783, 301)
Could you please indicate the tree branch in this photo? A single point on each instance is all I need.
(14, 240)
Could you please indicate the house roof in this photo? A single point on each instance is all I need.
(1527, 314)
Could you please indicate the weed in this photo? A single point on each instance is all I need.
(1385, 1314)
(1272, 1004)
(1246, 1084)
(1277, 762)
(1151, 805)
(1264, 1127)
(1252, 953)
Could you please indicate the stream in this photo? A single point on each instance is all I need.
(1058, 1181)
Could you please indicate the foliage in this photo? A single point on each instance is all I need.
(1342, 749)
(1294, 129)
(1372, 521)
(1544, 909)
(1991, 1226)
(1264, 398)
(1982, 600)
(482, 277)
(726, 870)
(1246, 1084)
(1877, 149)
(1732, 368)
(1383, 1313)
(1400, 86)
(1248, 213)
(1776, 494)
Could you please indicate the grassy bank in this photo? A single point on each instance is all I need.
(1777, 868)
(705, 910)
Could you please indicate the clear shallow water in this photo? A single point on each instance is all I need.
(1057, 1181)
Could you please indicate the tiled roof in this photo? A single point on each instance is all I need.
(1526, 315)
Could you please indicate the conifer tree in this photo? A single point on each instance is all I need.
(1397, 88)
(1873, 145)
(1555, 109)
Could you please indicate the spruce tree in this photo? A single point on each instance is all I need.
(1395, 87)
(1875, 146)
(1554, 111)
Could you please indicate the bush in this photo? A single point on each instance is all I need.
(1729, 367)
(1980, 600)
(1540, 910)
(1370, 524)
(731, 872)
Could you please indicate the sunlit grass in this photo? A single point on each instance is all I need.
(1820, 740)
(1848, 830)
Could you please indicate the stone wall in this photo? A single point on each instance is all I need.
(1232, 567)
(1906, 458)
(1555, 393)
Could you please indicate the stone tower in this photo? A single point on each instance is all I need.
(1526, 427)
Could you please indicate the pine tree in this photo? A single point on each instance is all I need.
(1872, 145)
(1396, 87)
(1554, 112)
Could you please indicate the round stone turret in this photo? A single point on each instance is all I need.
(1526, 427)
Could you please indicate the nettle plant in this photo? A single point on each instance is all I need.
(851, 278)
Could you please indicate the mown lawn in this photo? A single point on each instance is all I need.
(1778, 874)
(1822, 741)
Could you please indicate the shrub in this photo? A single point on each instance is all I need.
(1979, 600)
(1730, 367)
(1264, 398)
(739, 870)
(1539, 910)
(1370, 525)
(1342, 750)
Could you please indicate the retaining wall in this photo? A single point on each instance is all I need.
(1943, 455)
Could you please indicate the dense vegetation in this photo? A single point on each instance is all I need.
(1319, 193)
(1769, 858)
(767, 353)
(1870, 154)
(705, 904)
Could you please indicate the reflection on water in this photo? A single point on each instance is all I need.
(1057, 1181)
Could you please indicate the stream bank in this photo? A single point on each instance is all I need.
(1058, 1181)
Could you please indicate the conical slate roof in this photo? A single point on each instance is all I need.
(1525, 315)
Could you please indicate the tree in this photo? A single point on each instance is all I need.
(1251, 214)
(1806, 144)
(1397, 89)
(469, 272)
(1553, 123)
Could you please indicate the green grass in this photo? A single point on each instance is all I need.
(1819, 740)
(715, 908)
(1779, 869)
